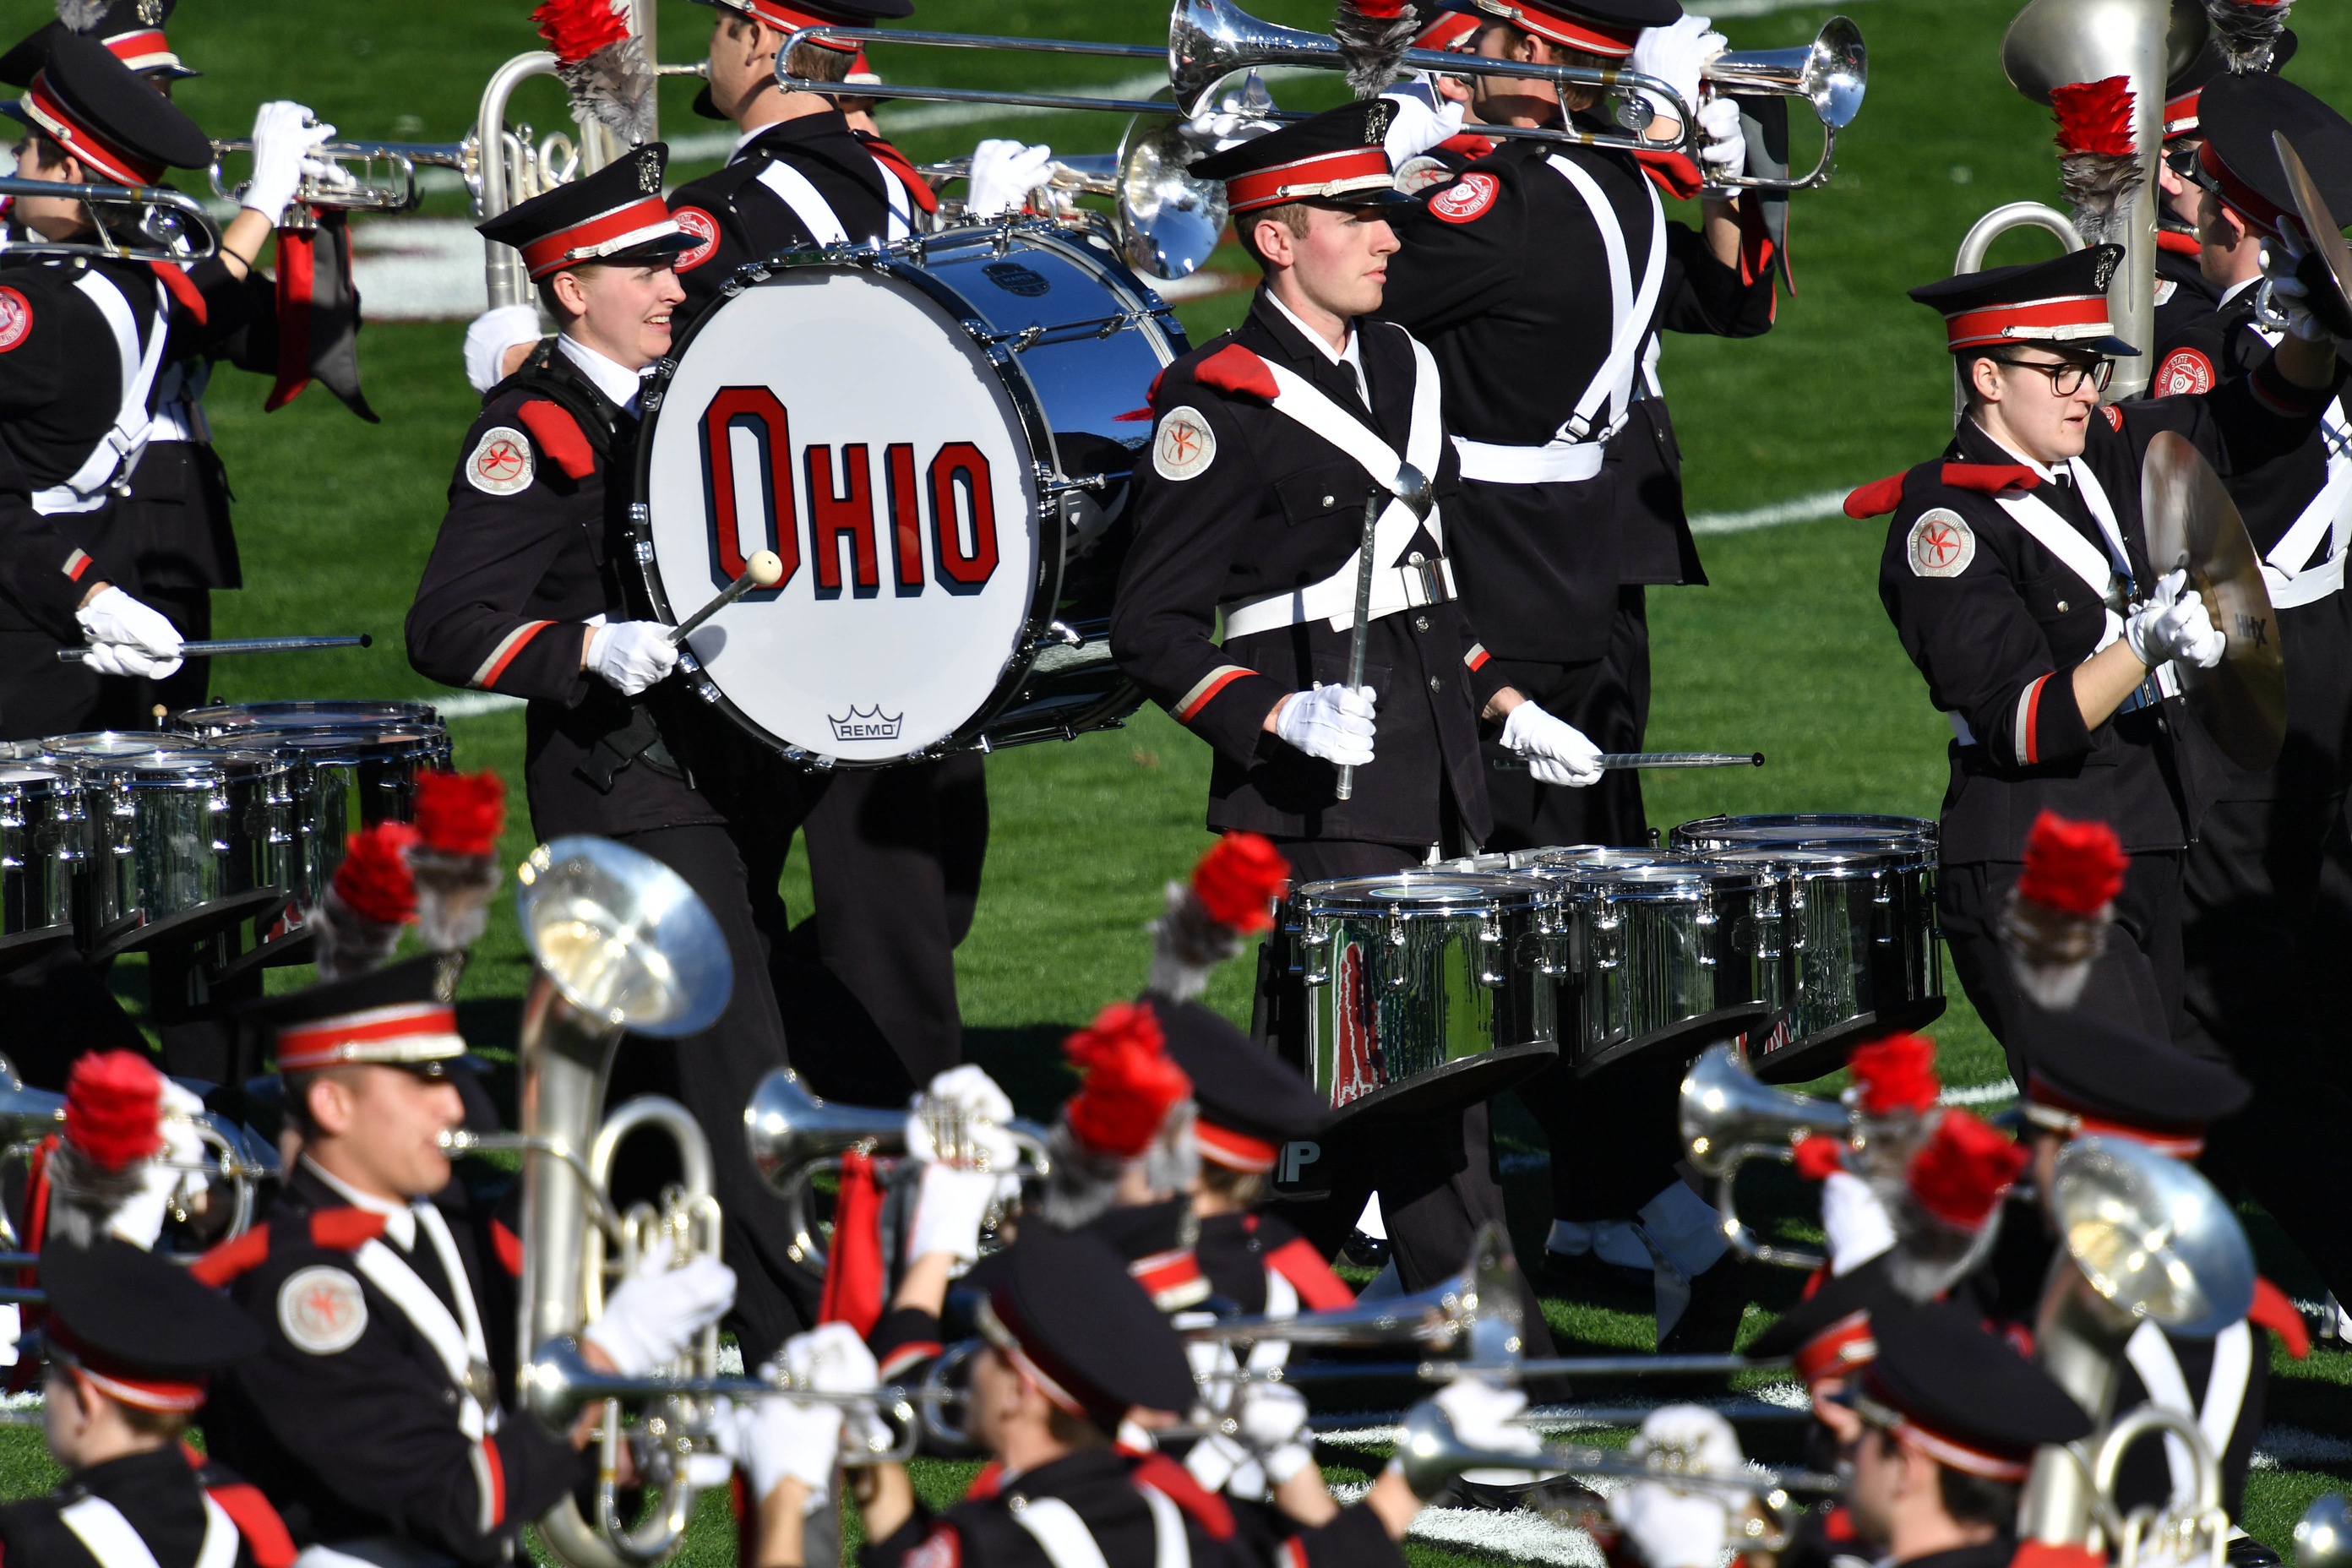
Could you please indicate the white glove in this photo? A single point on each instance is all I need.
(2174, 625)
(1331, 723)
(649, 1318)
(174, 1170)
(632, 655)
(948, 1208)
(127, 637)
(1416, 126)
(970, 1096)
(493, 333)
(1674, 53)
(1673, 1528)
(1856, 1221)
(1483, 1416)
(2282, 263)
(776, 1439)
(1002, 175)
(1271, 1419)
(1724, 148)
(284, 136)
(1557, 752)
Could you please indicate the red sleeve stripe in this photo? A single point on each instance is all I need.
(494, 1484)
(2029, 716)
(1477, 657)
(913, 1353)
(1293, 1554)
(1216, 680)
(76, 564)
(504, 654)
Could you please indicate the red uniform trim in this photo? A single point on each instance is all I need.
(1672, 173)
(1234, 369)
(101, 156)
(1345, 173)
(2273, 1311)
(516, 641)
(985, 1484)
(1838, 1348)
(1235, 1150)
(550, 255)
(2028, 744)
(918, 188)
(914, 1353)
(76, 564)
(2178, 243)
(2043, 1555)
(238, 1255)
(786, 19)
(1319, 1289)
(183, 288)
(1215, 684)
(508, 1246)
(1173, 1481)
(265, 1537)
(345, 1230)
(1968, 329)
(559, 435)
(1877, 497)
(2250, 203)
(492, 1462)
(1989, 479)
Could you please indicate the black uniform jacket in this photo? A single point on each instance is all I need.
(740, 220)
(534, 546)
(354, 1433)
(1275, 508)
(1100, 1486)
(1997, 622)
(1505, 276)
(161, 1495)
(2183, 296)
(1237, 1252)
(1997, 1553)
(2221, 344)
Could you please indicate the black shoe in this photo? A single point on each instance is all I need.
(1710, 1325)
(1591, 1278)
(1365, 1251)
(2245, 1551)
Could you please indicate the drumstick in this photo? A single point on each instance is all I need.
(1654, 760)
(764, 570)
(241, 644)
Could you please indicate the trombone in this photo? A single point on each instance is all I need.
(175, 225)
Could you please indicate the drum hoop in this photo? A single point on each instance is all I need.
(904, 261)
(1497, 893)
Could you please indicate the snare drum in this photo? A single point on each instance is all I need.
(1426, 991)
(1820, 830)
(951, 509)
(1859, 951)
(344, 778)
(239, 718)
(204, 837)
(1662, 954)
(43, 843)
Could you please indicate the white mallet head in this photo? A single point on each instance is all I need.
(765, 568)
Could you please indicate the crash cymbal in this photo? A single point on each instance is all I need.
(2326, 235)
(2193, 524)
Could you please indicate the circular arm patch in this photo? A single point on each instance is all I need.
(500, 462)
(321, 1309)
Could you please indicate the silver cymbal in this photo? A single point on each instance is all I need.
(2193, 524)
(2326, 235)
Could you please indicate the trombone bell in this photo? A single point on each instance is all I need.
(1210, 40)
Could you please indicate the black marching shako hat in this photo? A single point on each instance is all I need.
(1336, 158)
(2241, 164)
(786, 18)
(2086, 1075)
(1962, 1395)
(1249, 1102)
(615, 215)
(2060, 304)
(1829, 1334)
(138, 1328)
(1061, 1306)
(1605, 27)
(105, 114)
(2181, 93)
(132, 30)
(399, 1015)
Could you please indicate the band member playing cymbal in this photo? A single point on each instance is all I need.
(2017, 574)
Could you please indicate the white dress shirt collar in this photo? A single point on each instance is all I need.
(1351, 354)
(611, 378)
(399, 1219)
(2041, 471)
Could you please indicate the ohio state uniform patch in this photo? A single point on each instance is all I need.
(1184, 446)
(1942, 544)
(705, 229)
(500, 463)
(15, 319)
(321, 1309)
(1467, 199)
(2114, 416)
(941, 1549)
(2183, 370)
(1421, 172)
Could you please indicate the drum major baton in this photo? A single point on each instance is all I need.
(1654, 760)
(214, 649)
(764, 570)
(1412, 487)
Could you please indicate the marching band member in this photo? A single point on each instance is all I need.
(2184, 293)
(373, 1414)
(1827, 1336)
(521, 596)
(130, 1342)
(1570, 499)
(1252, 510)
(132, 30)
(2269, 867)
(2001, 568)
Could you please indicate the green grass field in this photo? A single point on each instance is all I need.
(1788, 653)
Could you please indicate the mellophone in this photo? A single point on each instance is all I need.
(120, 841)
(1439, 986)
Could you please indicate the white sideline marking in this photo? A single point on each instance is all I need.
(1732, 10)
(1805, 509)
(2283, 1447)
(1979, 1094)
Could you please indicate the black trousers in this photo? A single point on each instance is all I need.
(713, 1074)
(867, 981)
(1609, 700)
(2135, 982)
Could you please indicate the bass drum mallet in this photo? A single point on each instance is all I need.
(764, 570)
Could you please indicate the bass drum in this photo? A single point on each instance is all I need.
(936, 438)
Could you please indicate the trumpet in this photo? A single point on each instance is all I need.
(796, 1137)
(170, 227)
(1729, 1117)
(376, 176)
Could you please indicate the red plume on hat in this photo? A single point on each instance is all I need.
(114, 1108)
(1959, 1174)
(373, 895)
(603, 65)
(1896, 1076)
(2055, 924)
(458, 819)
(1229, 897)
(2097, 162)
(1373, 36)
(1131, 1083)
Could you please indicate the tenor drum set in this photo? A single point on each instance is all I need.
(1796, 936)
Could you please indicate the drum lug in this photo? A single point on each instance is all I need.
(645, 551)
(1491, 970)
(1313, 964)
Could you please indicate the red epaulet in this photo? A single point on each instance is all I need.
(1319, 1289)
(1142, 415)
(1174, 1482)
(918, 188)
(345, 1230)
(265, 1533)
(1672, 173)
(984, 1485)
(1234, 369)
(183, 288)
(559, 435)
(238, 1255)
(2273, 1311)
(508, 1246)
(1840, 1525)
(1877, 497)
(2044, 1555)
(1991, 478)
(2178, 243)
(1469, 145)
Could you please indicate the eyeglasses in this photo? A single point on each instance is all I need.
(2066, 375)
